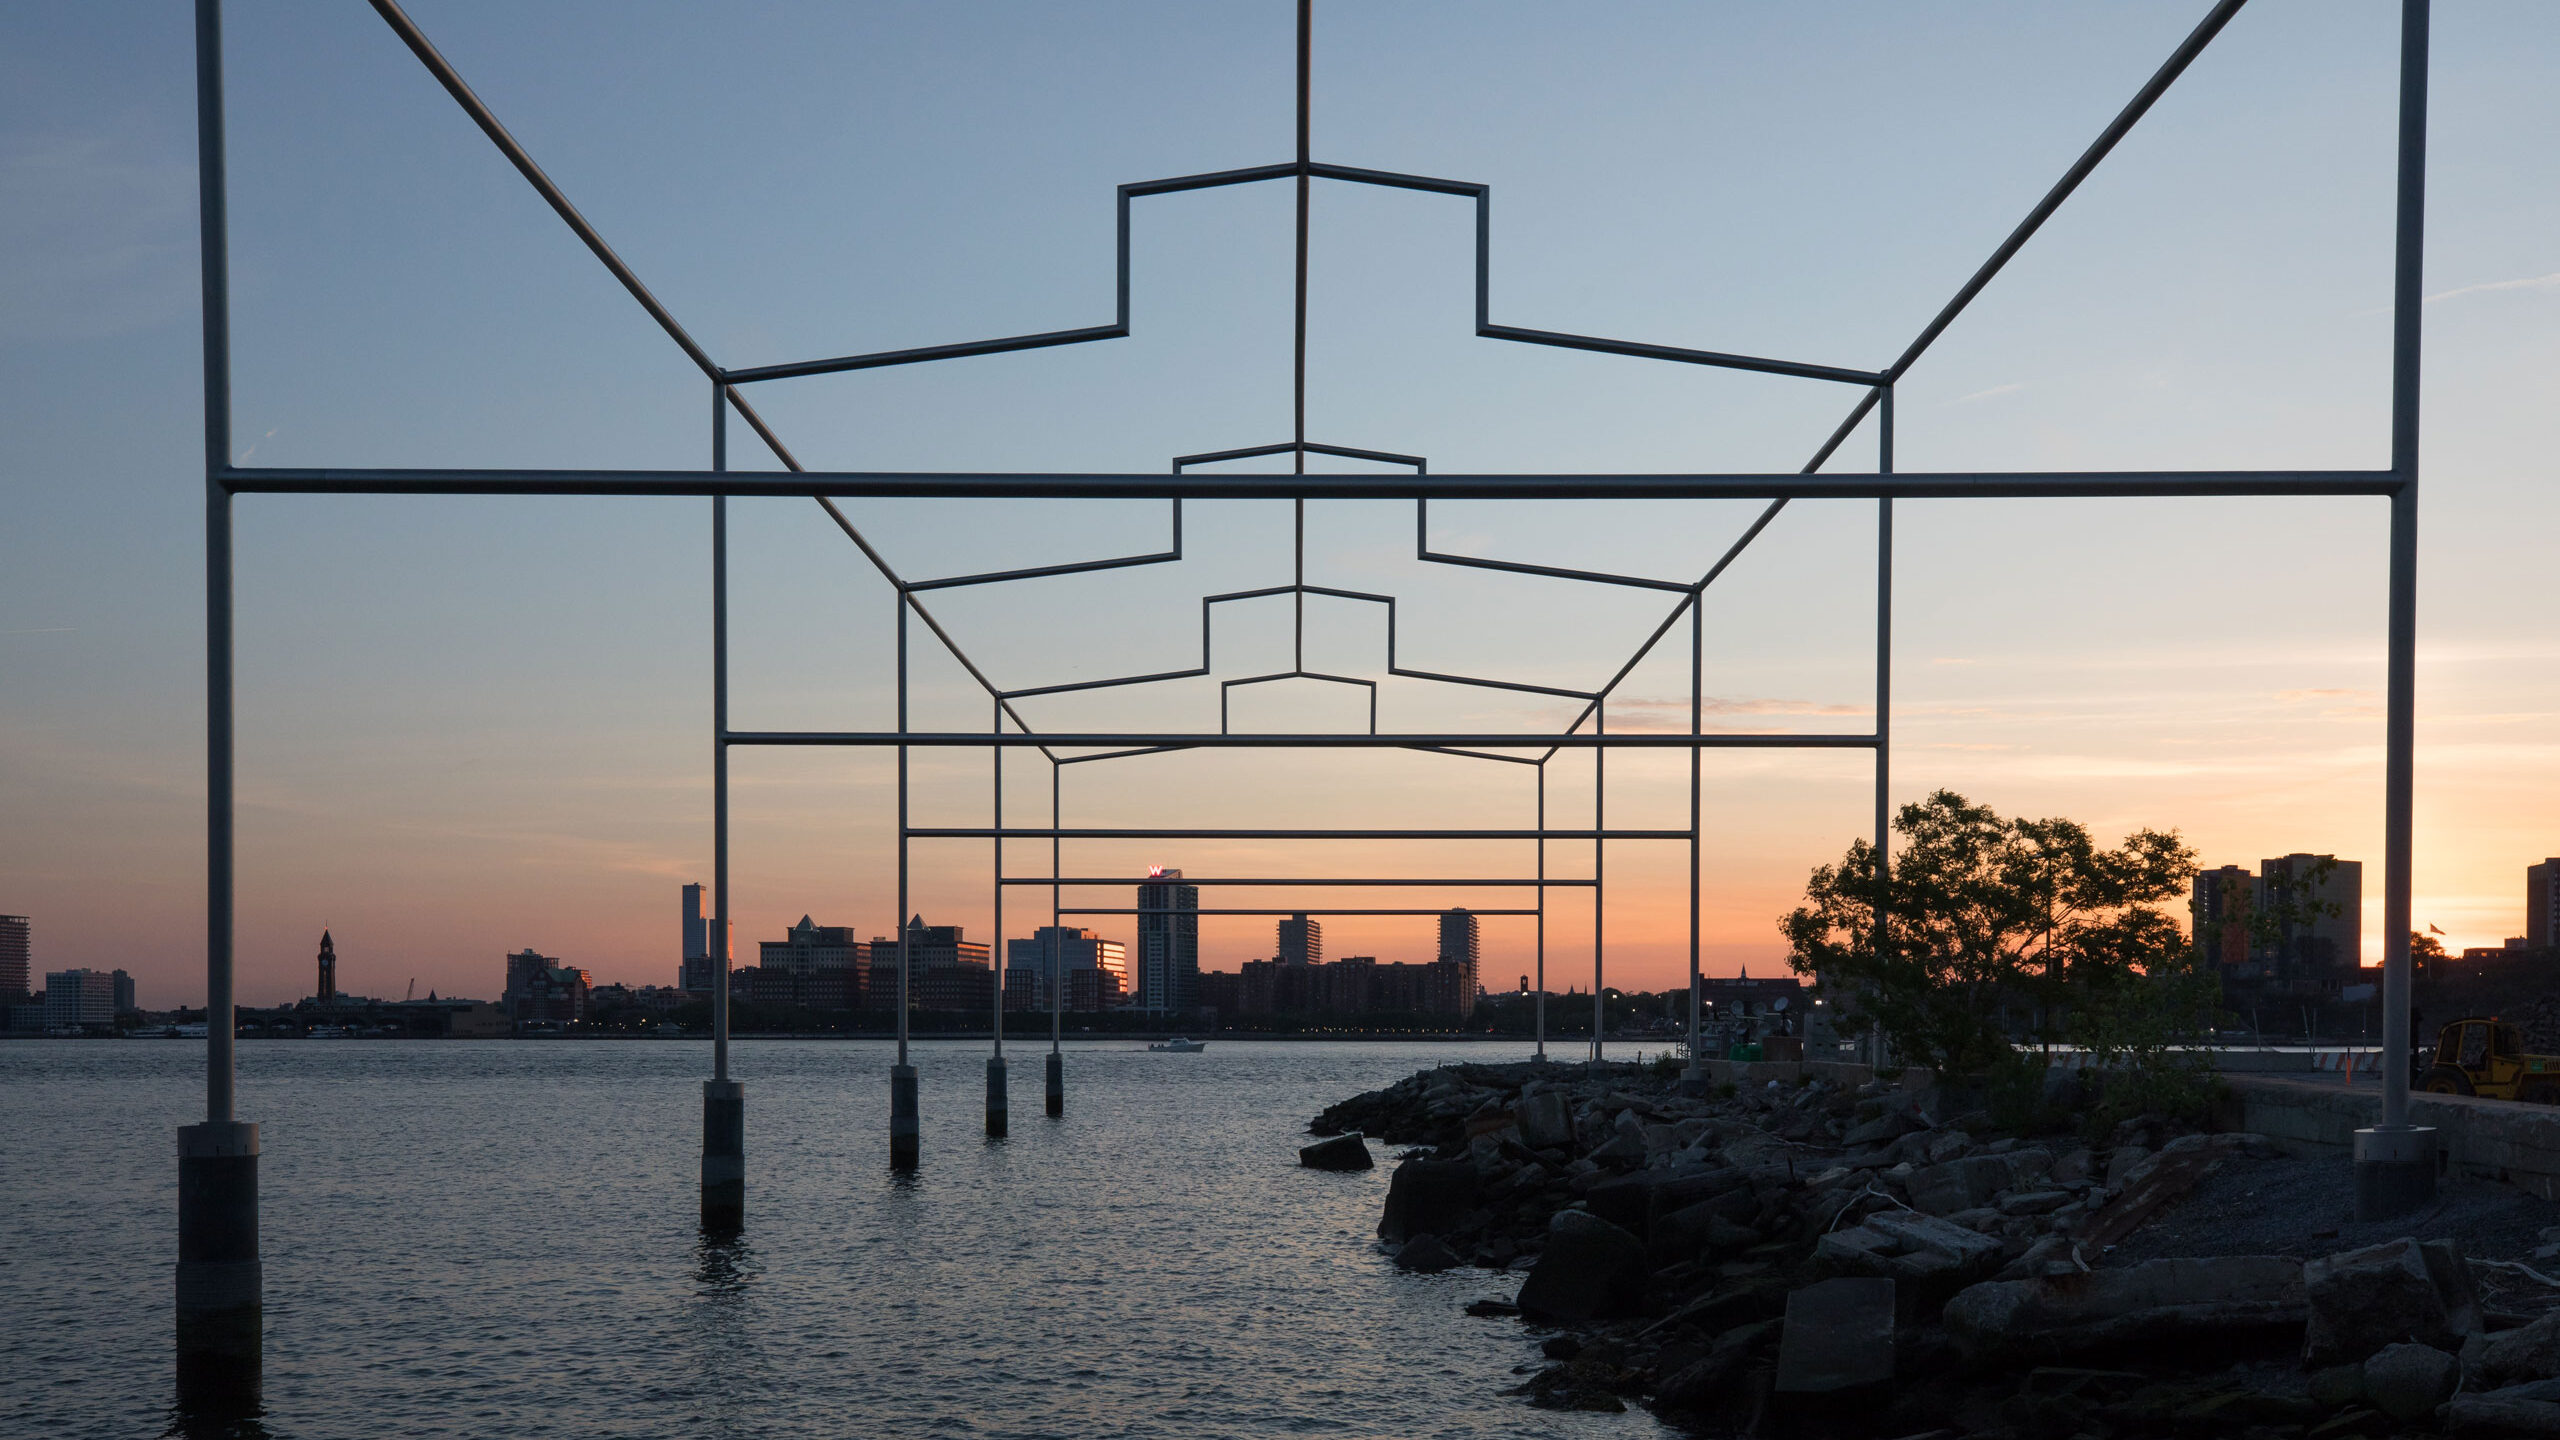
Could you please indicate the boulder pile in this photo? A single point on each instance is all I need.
(1827, 1257)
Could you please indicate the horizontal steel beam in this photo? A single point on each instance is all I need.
(2024, 484)
(1141, 832)
(1299, 910)
(1295, 740)
(1313, 882)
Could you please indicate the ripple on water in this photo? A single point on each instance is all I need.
(473, 1238)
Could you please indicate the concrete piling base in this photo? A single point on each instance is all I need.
(1057, 1085)
(2395, 1171)
(724, 1154)
(996, 1111)
(904, 1130)
(221, 1312)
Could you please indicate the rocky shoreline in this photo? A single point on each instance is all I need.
(1836, 1256)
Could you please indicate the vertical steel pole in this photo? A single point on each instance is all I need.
(1057, 1077)
(220, 1277)
(905, 1126)
(998, 1113)
(1599, 887)
(2396, 1163)
(724, 1101)
(1539, 1003)
(214, 238)
(1697, 725)
(1298, 369)
(1884, 681)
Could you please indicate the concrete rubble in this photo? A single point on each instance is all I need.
(1834, 1256)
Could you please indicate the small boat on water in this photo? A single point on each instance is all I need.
(1179, 1045)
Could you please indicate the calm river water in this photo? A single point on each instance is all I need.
(498, 1238)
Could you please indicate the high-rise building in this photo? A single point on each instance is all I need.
(1096, 970)
(80, 1000)
(823, 963)
(2220, 904)
(327, 987)
(17, 956)
(699, 973)
(2320, 954)
(1301, 941)
(125, 998)
(1462, 945)
(2541, 890)
(540, 988)
(1168, 958)
(947, 970)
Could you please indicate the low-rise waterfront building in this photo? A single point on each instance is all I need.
(81, 999)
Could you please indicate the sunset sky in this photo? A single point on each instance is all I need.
(472, 725)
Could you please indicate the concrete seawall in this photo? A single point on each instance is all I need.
(2502, 1140)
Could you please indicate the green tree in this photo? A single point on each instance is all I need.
(2001, 929)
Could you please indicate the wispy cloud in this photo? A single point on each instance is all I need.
(2533, 282)
(1672, 713)
(1993, 393)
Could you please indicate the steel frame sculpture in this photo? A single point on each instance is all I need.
(219, 1286)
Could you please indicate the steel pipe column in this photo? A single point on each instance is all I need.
(1056, 1090)
(724, 1154)
(221, 1313)
(2396, 1161)
(998, 1118)
(220, 1287)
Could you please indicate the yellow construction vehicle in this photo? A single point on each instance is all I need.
(2486, 1056)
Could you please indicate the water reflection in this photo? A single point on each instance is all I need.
(197, 1419)
(724, 1264)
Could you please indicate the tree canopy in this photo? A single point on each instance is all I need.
(2000, 930)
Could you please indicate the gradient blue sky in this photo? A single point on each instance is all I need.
(472, 725)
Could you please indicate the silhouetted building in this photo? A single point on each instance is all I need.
(2541, 890)
(1218, 992)
(1354, 985)
(2220, 906)
(17, 957)
(125, 999)
(1751, 1007)
(541, 990)
(823, 963)
(80, 1000)
(2295, 928)
(699, 972)
(326, 989)
(1096, 970)
(2321, 954)
(1168, 958)
(948, 970)
(1462, 944)
(1301, 941)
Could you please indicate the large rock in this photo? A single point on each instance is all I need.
(1427, 1195)
(1342, 1152)
(1890, 1126)
(1839, 1336)
(1920, 1250)
(2410, 1381)
(2054, 1315)
(1427, 1253)
(2532, 1409)
(2527, 1353)
(1589, 1269)
(2362, 1300)
(1968, 1184)
(1694, 1231)
(1625, 1201)
(1546, 1121)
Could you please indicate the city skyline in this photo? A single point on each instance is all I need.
(491, 730)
